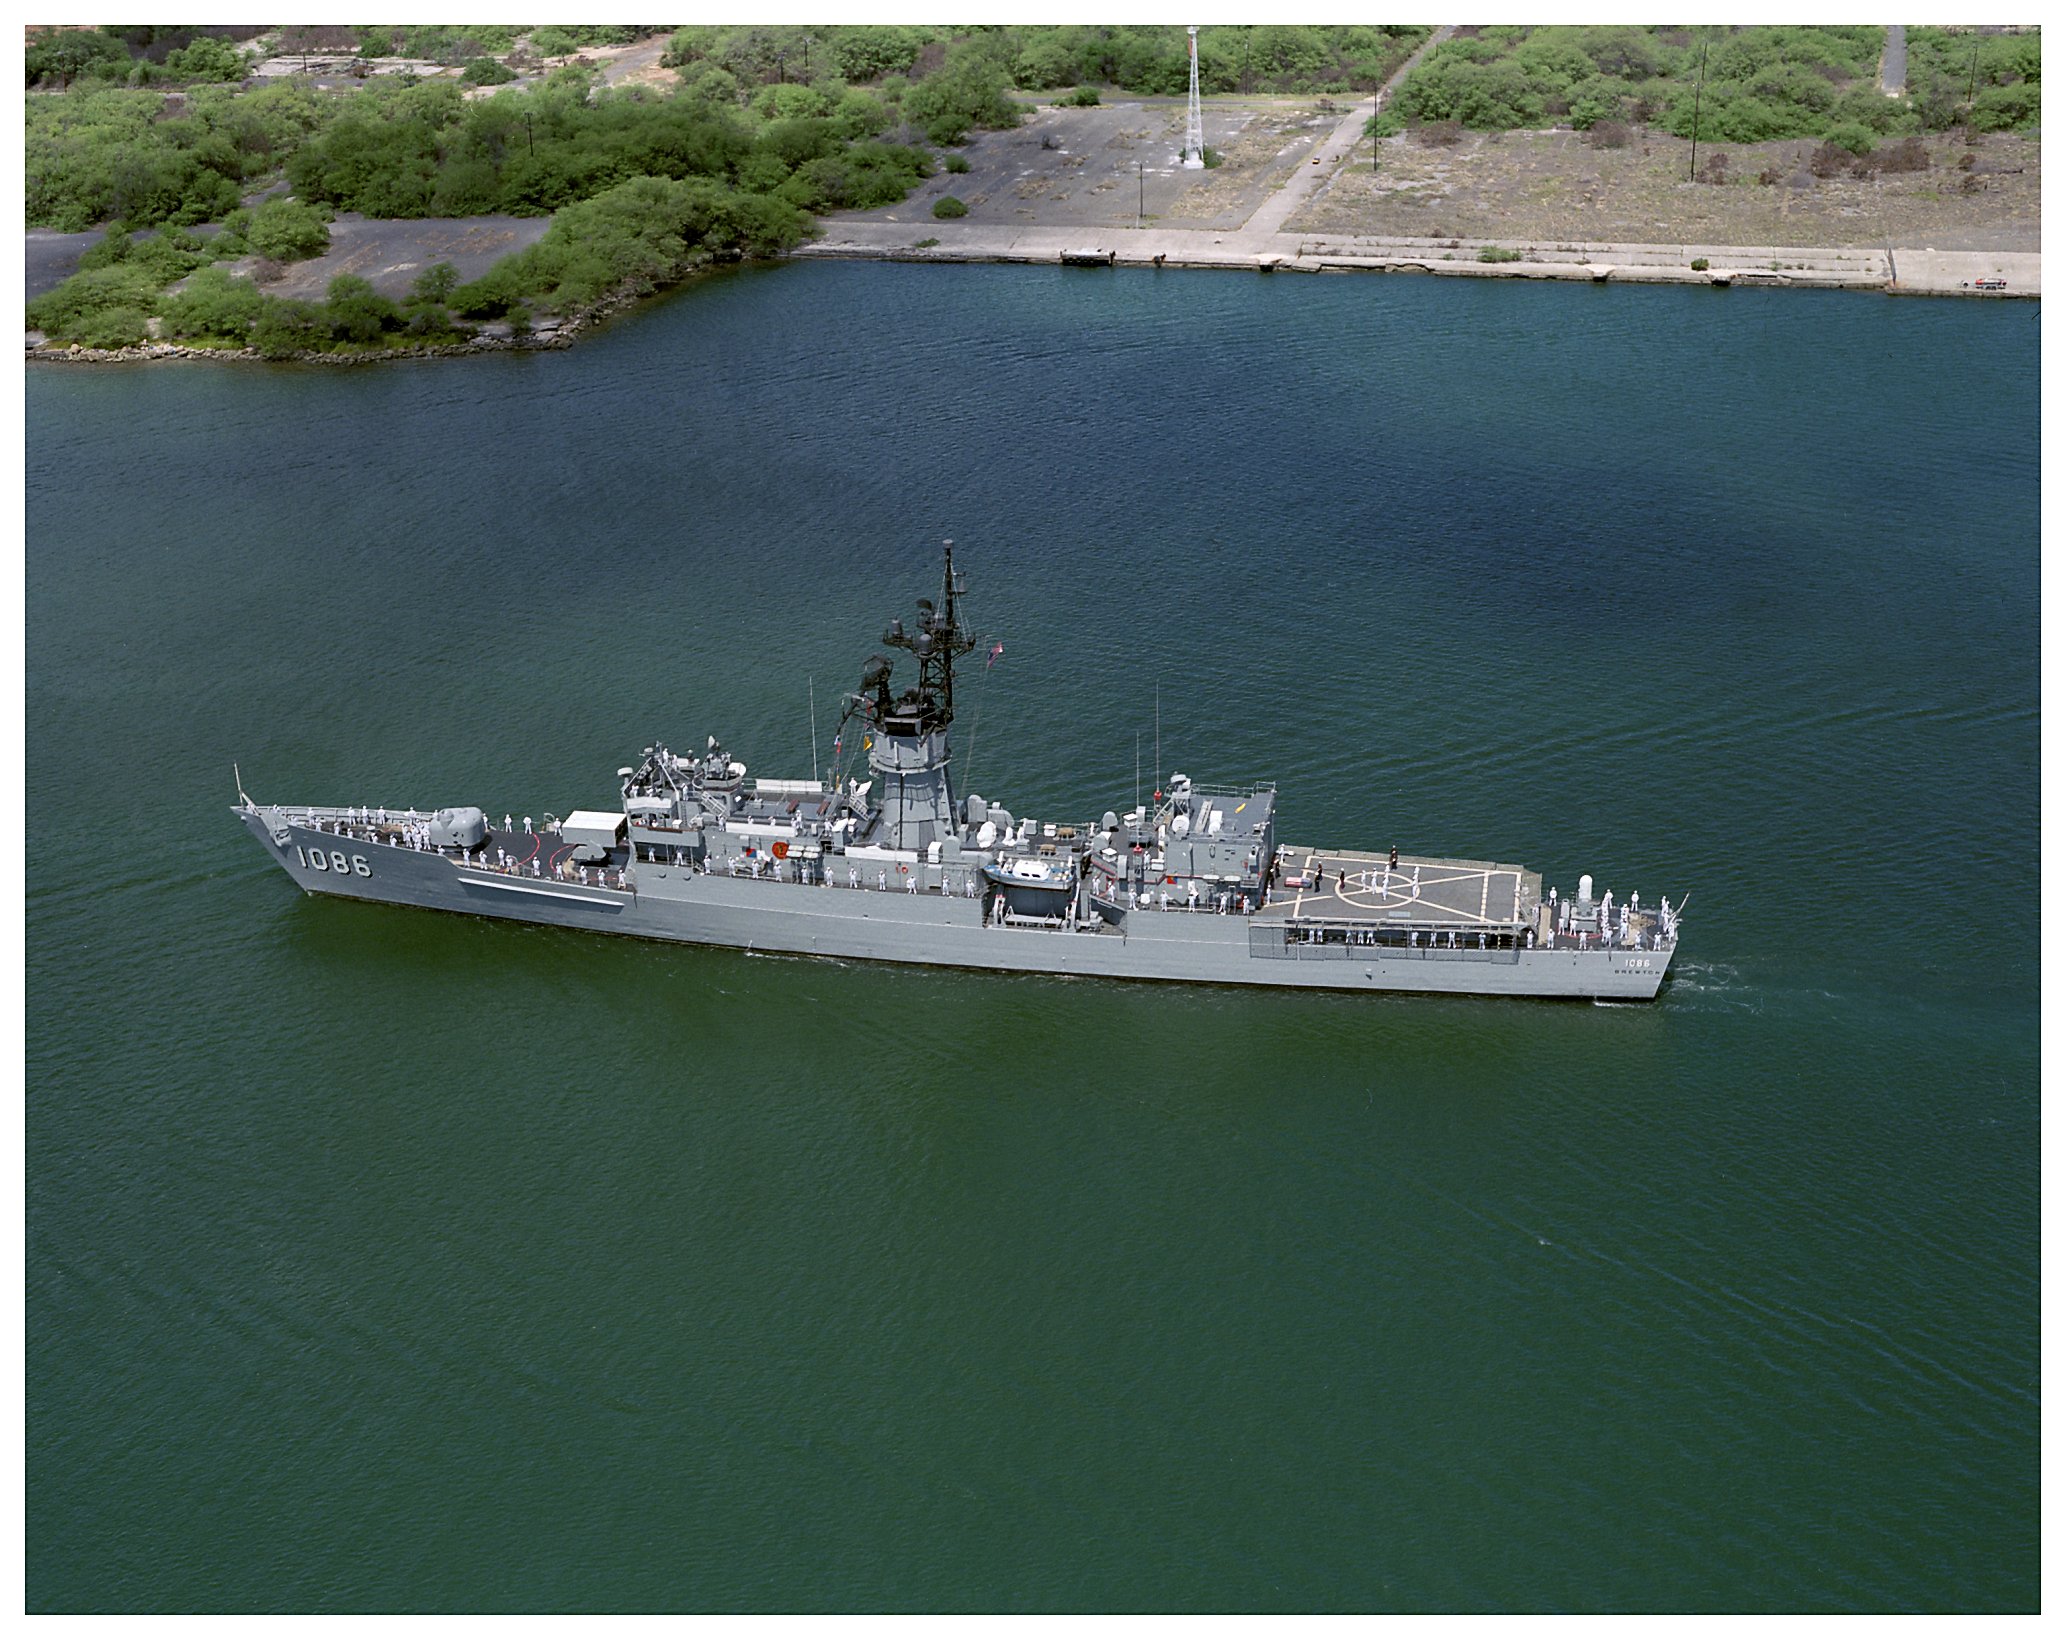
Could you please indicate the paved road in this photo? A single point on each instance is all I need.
(641, 57)
(1893, 62)
(1310, 178)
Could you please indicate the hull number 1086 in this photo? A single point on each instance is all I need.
(336, 860)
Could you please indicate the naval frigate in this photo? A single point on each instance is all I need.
(900, 867)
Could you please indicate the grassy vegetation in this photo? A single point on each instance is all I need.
(1151, 60)
(1758, 84)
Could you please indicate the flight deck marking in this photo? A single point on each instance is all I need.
(1359, 889)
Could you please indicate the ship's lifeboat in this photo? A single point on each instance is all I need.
(1034, 887)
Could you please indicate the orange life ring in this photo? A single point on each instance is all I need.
(901, 870)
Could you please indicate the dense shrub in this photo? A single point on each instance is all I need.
(70, 54)
(487, 71)
(633, 237)
(435, 283)
(102, 307)
(356, 312)
(2003, 72)
(1084, 96)
(287, 231)
(214, 305)
(207, 58)
(1759, 83)
(967, 93)
(947, 206)
(284, 329)
(1853, 139)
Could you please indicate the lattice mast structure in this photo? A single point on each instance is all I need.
(1194, 116)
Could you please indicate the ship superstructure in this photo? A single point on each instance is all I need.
(898, 866)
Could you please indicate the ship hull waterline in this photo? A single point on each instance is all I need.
(677, 903)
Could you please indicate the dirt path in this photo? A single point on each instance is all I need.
(1893, 62)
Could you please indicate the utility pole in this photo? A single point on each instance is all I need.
(1693, 158)
(1140, 204)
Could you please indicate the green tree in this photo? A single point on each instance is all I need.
(790, 102)
(435, 283)
(284, 329)
(963, 95)
(487, 71)
(209, 57)
(868, 52)
(356, 311)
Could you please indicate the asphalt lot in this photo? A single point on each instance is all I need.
(1104, 166)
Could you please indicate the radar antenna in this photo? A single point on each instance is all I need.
(936, 639)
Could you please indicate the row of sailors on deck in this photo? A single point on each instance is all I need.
(1143, 899)
(1607, 922)
(359, 823)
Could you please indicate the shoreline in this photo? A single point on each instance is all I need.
(1892, 271)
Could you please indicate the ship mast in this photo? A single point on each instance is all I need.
(936, 641)
(908, 748)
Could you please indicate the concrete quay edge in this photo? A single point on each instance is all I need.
(1923, 271)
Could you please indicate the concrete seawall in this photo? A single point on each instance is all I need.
(1920, 272)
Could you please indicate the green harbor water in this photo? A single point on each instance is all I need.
(378, 1259)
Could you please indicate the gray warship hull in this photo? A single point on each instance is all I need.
(927, 926)
(902, 867)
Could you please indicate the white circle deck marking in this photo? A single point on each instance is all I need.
(1382, 891)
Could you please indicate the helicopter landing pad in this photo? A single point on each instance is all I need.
(1344, 886)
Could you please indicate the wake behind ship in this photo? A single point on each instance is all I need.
(899, 867)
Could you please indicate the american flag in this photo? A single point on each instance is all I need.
(996, 649)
